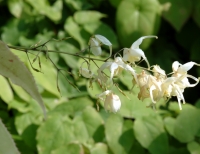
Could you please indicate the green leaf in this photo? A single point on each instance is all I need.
(53, 12)
(84, 126)
(196, 12)
(85, 17)
(71, 148)
(11, 33)
(55, 132)
(115, 3)
(13, 68)
(21, 92)
(71, 61)
(133, 107)
(169, 124)
(149, 131)
(117, 131)
(102, 29)
(135, 19)
(47, 79)
(72, 107)
(99, 148)
(6, 91)
(187, 125)
(15, 7)
(178, 9)
(77, 32)
(78, 4)
(193, 147)
(7, 145)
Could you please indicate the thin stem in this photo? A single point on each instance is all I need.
(44, 51)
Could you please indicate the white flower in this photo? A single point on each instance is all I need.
(111, 101)
(116, 68)
(180, 71)
(95, 44)
(149, 87)
(86, 73)
(134, 53)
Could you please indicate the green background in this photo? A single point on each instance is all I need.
(74, 125)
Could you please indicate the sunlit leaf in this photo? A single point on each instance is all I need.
(117, 131)
(85, 17)
(53, 12)
(149, 131)
(71, 148)
(6, 91)
(13, 68)
(15, 7)
(187, 125)
(77, 32)
(99, 148)
(60, 130)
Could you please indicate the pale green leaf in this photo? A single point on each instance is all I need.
(15, 7)
(99, 148)
(169, 124)
(85, 17)
(53, 12)
(137, 18)
(5, 91)
(55, 132)
(71, 148)
(117, 131)
(47, 79)
(11, 67)
(149, 131)
(77, 32)
(7, 145)
(21, 92)
(187, 124)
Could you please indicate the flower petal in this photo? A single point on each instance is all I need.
(95, 47)
(186, 67)
(103, 40)
(136, 44)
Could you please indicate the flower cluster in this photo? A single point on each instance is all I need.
(153, 82)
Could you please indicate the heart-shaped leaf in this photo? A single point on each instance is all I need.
(137, 18)
(178, 9)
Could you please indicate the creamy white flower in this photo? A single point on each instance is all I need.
(95, 43)
(180, 71)
(116, 68)
(134, 53)
(95, 47)
(86, 73)
(149, 87)
(159, 73)
(111, 101)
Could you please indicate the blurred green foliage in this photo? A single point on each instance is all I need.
(74, 125)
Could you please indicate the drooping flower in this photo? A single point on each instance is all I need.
(149, 87)
(134, 53)
(111, 101)
(95, 43)
(116, 68)
(86, 73)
